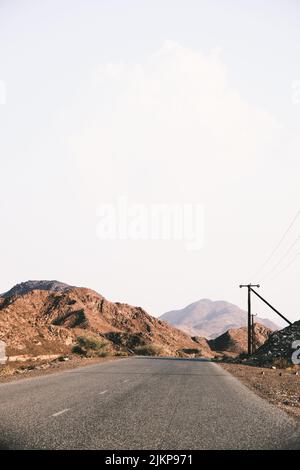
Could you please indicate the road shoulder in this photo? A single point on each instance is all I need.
(15, 372)
(279, 387)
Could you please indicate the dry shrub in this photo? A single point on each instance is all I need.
(6, 371)
(121, 353)
(150, 349)
(89, 346)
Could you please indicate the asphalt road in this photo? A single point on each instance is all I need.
(141, 403)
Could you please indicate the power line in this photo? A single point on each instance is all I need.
(287, 266)
(282, 258)
(277, 246)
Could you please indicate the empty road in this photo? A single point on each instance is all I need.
(141, 403)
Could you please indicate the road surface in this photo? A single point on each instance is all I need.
(141, 403)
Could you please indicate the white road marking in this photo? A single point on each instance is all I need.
(61, 412)
(102, 393)
(125, 380)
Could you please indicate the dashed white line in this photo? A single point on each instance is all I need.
(102, 393)
(61, 412)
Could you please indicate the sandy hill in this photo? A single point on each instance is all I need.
(39, 317)
(210, 318)
(235, 340)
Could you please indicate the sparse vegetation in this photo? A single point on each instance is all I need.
(89, 346)
(121, 353)
(191, 351)
(180, 353)
(149, 350)
(6, 371)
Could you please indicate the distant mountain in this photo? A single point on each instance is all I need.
(211, 318)
(43, 317)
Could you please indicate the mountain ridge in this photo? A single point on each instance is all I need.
(28, 286)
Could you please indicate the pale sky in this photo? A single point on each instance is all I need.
(168, 102)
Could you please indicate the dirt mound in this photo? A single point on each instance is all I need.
(279, 346)
(48, 320)
(235, 340)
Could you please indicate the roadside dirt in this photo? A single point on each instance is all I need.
(17, 371)
(281, 387)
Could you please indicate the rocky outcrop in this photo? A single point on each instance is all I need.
(45, 317)
(280, 346)
(235, 340)
(28, 286)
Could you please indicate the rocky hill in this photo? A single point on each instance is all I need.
(25, 287)
(235, 340)
(279, 346)
(43, 317)
(210, 318)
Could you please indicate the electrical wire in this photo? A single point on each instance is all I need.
(277, 246)
(281, 259)
(286, 267)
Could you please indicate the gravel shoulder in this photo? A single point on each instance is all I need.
(17, 371)
(281, 387)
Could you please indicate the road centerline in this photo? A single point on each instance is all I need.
(61, 412)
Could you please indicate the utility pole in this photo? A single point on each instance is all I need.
(250, 316)
(250, 333)
(253, 332)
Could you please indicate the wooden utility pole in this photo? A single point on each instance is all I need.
(250, 316)
(250, 333)
(253, 332)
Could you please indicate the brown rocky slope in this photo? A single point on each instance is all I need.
(46, 317)
(235, 340)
